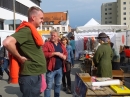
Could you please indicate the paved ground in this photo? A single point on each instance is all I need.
(11, 90)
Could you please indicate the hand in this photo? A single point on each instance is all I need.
(58, 54)
(22, 59)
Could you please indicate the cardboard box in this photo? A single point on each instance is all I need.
(85, 77)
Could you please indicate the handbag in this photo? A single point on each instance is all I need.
(43, 83)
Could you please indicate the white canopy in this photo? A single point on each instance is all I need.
(93, 26)
(101, 28)
(91, 22)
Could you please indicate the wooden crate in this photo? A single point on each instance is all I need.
(118, 74)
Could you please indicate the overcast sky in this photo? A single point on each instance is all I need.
(80, 11)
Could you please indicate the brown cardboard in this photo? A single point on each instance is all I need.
(85, 77)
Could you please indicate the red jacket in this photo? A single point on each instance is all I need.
(127, 52)
(48, 49)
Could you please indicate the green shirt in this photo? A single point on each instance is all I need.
(26, 46)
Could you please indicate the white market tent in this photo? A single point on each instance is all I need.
(101, 28)
(91, 29)
(91, 22)
(93, 25)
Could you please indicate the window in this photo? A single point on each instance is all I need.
(47, 28)
(110, 13)
(124, 8)
(4, 4)
(105, 13)
(124, 18)
(11, 26)
(45, 23)
(1, 25)
(124, 13)
(43, 28)
(36, 2)
(124, 3)
(105, 9)
(52, 28)
(124, 23)
(110, 21)
(105, 22)
(109, 8)
(19, 8)
(58, 28)
(110, 4)
(105, 18)
(63, 28)
(110, 17)
(51, 23)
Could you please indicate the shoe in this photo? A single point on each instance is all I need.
(68, 91)
(9, 79)
(64, 88)
(72, 66)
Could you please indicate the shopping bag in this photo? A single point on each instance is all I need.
(43, 83)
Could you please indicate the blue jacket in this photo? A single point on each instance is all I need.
(72, 43)
(70, 57)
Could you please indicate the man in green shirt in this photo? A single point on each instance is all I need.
(28, 53)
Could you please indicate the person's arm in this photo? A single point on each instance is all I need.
(20, 38)
(48, 53)
(10, 44)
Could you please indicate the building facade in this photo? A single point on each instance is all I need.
(21, 9)
(56, 20)
(116, 12)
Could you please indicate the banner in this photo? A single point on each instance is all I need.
(80, 88)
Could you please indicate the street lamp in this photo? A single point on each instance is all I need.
(14, 14)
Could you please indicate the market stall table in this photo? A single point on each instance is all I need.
(106, 92)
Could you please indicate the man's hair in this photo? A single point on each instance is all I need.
(55, 31)
(33, 10)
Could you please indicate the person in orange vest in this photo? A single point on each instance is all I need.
(27, 60)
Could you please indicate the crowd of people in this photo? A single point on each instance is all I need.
(33, 57)
(107, 58)
(25, 57)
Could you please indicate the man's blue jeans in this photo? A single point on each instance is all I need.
(30, 85)
(57, 76)
(5, 65)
